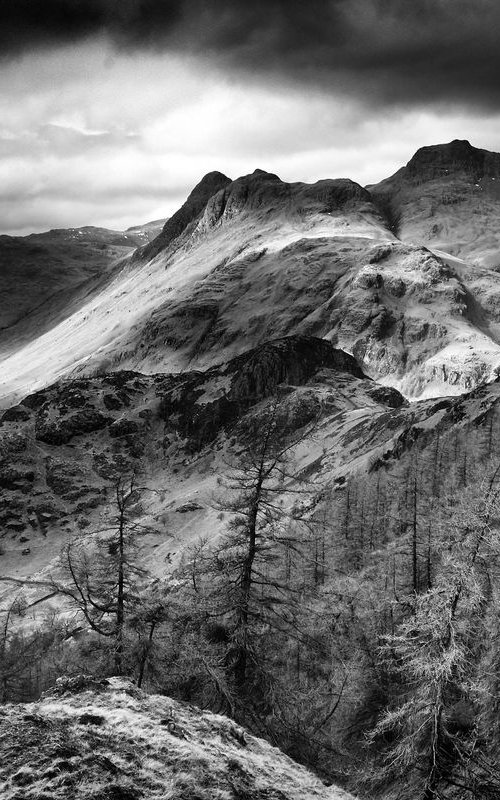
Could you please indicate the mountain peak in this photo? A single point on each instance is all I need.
(211, 179)
(264, 192)
(458, 156)
(262, 173)
(209, 185)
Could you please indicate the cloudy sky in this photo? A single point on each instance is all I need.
(111, 110)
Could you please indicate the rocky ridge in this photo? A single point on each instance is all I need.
(250, 260)
(187, 214)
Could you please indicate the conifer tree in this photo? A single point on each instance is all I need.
(428, 735)
(245, 577)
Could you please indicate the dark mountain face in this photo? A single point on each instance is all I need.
(63, 447)
(441, 161)
(263, 191)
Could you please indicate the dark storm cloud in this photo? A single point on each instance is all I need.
(390, 51)
(25, 24)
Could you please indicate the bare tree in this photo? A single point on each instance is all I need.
(106, 583)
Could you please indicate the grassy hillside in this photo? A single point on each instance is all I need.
(105, 740)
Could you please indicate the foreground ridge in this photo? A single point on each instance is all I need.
(89, 739)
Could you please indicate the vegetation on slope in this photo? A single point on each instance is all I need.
(353, 623)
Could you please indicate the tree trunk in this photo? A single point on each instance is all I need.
(241, 661)
(145, 653)
(120, 598)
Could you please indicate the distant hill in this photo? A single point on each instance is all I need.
(45, 276)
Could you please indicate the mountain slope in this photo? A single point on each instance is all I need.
(257, 218)
(187, 214)
(106, 740)
(63, 448)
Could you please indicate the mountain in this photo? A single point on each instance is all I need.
(248, 260)
(447, 198)
(142, 234)
(244, 251)
(187, 214)
(106, 739)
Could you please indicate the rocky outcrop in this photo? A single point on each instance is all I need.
(63, 478)
(15, 478)
(15, 414)
(443, 162)
(107, 740)
(199, 405)
(63, 431)
(293, 360)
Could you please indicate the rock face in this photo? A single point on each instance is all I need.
(265, 191)
(199, 405)
(457, 157)
(106, 740)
